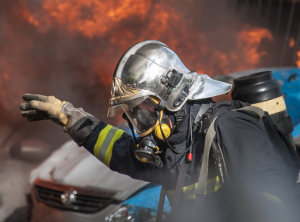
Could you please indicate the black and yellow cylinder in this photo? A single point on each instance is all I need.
(263, 91)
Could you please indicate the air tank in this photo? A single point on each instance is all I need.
(263, 91)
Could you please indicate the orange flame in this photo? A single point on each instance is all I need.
(4, 82)
(91, 17)
(298, 59)
(291, 42)
(249, 41)
(108, 28)
(96, 18)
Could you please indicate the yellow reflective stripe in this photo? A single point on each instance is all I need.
(216, 188)
(170, 192)
(212, 180)
(217, 184)
(104, 145)
(272, 198)
(212, 185)
(108, 153)
(190, 187)
(100, 140)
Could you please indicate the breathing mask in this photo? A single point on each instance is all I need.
(149, 124)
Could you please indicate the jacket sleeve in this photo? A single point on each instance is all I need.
(252, 162)
(110, 145)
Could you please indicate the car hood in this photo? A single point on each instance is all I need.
(75, 166)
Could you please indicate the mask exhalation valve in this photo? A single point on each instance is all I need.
(146, 152)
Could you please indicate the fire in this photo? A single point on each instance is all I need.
(298, 58)
(160, 21)
(5, 78)
(70, 48)
(249, 40)
(92, 17)
(291, 42)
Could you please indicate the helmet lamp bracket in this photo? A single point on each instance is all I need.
(171, 81)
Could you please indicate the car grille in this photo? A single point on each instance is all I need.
(80, 202)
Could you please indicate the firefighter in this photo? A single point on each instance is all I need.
(163, 100)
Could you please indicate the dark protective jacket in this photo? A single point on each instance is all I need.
(254, 167)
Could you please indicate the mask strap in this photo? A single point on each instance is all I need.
(124, 116)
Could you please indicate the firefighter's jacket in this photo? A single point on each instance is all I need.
(250, 158)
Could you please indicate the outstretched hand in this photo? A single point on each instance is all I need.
(39, 107)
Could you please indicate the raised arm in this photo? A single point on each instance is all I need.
(110, 145)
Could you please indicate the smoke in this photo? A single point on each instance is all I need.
(69, 49)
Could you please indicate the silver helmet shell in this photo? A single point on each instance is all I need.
(139, 74)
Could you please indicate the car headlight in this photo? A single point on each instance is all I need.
(131, 213)
(120, 215)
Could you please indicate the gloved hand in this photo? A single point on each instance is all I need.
(41, 107)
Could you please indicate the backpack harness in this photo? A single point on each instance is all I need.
(206, 117)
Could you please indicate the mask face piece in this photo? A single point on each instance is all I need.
(146, 120)
(144, 116)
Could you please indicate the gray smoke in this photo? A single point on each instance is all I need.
(51, 58)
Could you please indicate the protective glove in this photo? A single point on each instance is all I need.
(39, 107)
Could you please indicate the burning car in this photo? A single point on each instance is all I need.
(72, 185)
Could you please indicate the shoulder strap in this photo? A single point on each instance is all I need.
(202, 110)
(255, 112)
(178, 188)
(200, 191)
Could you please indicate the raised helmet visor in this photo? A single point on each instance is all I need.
(139, 79)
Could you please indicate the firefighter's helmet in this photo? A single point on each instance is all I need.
(151, 68)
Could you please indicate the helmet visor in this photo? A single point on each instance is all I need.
(139, 79)
(118, 109)
(143, 116)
